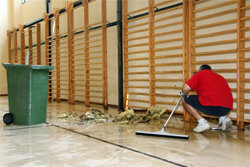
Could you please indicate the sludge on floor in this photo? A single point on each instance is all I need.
(66, 142)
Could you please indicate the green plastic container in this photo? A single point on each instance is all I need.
(27, 91)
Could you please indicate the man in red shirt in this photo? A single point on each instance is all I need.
(214, 97)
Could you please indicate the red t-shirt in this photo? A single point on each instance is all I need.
(212, 89)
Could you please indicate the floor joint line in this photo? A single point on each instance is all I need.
(124, 147)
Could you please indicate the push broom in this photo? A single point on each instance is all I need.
(162, 132)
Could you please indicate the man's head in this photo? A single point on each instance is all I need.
(205, 67)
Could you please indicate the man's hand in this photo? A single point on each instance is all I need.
(183, 94)
(185, 89)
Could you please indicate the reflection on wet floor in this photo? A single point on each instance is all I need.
(70, 142)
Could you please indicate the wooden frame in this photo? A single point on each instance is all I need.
(46, 21)
(15, 46)
(86, 53)
(22, 40)
(240, 64)
(152, 51)
(186, 49)
(125, 50)
(9, 46)
(191, 49)
(104, 52)
(57, 31)
(38, 41)
(70, 16)
(191, 40)
(30, 45)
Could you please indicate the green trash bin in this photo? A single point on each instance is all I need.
(27, 92)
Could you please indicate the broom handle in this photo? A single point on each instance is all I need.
(164, 127)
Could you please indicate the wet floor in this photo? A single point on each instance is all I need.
(68, 142)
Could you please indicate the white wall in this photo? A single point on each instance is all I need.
(6, 22)
(13, 13)
(27, 12)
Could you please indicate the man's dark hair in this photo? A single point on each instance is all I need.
(205, 67)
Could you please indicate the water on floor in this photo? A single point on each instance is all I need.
(69, 142)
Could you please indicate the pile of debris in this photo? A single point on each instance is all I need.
(129, 116)
(67, 115)
(153, 113)
(94, 116)
(126, 117)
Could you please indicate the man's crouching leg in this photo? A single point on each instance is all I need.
(203, 125)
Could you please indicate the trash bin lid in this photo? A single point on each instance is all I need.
(33, 67)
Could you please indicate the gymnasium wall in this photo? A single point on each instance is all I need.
(165, 42)
(27, 12)
(6, 22)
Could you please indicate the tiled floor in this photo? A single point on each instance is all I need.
(67, 142)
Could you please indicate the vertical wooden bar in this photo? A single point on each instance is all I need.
(22, 44)
(104, 52)
(38, 41)
(125, 49)
(70, 16)
(185, 67)
(185, 40)
(15, 45)
(9, 46)
(72, 55)
(58, 85)
(152, 52)
(86, 53)
(240, 64)
(46, 21)
(30, 46)
(191, 59)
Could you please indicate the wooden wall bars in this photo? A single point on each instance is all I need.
(79, 54)
(163, 48)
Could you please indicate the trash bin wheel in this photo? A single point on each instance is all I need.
(8, 118)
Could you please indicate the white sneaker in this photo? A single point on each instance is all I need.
(201, 127)
(225, 123)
